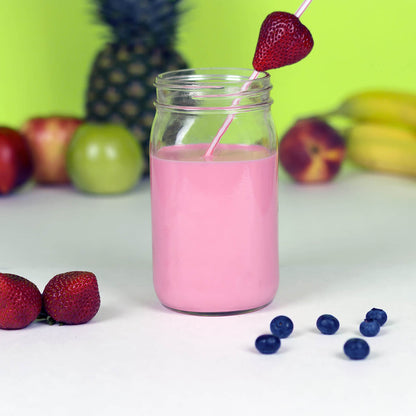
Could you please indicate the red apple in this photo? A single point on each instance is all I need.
(48, 139)
(312, 151)
(16, 165)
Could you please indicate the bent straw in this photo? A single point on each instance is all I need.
(253, 76)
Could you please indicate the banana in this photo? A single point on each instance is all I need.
(390, 107)
(382, 148)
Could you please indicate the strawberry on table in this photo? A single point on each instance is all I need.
(72, 297)
(283, 40)
(20, 301)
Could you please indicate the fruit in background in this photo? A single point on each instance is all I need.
(48, 138)
(312, 151)
(72, 298)
(16, 165)
(386, 107)
(283, 40)
(20, 301)
(383, 148)
(104, 159)
(120, 86)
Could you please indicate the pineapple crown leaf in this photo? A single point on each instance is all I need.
(131, 21)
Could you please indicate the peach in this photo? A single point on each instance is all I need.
(312, 151)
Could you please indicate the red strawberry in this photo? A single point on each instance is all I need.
(283, 40)
(20, 301)
(72, 297)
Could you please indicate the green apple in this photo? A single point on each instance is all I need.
(104, 159)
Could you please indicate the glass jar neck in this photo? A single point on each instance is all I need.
(213, 89)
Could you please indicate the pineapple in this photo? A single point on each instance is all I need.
(120, 88)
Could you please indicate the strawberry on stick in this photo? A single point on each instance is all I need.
(283, 40)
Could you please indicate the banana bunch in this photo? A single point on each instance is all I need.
(382, 135)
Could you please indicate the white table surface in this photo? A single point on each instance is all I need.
(344, 248)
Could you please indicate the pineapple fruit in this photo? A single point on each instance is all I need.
(120, 88)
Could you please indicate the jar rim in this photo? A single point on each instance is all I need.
(186, 78)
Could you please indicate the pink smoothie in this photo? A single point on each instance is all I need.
(214, 227)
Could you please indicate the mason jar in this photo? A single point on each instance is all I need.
(213, 173)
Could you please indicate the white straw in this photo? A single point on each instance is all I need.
(302, 8)
(229, 118)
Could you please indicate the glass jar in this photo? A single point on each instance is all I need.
(214, 208)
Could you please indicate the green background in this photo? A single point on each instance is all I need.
(47, 47)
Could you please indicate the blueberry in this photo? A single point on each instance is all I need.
(369, 328)
(377, 314)
(267, 344)
(281, 326)
(327, 324)
(356, 349)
